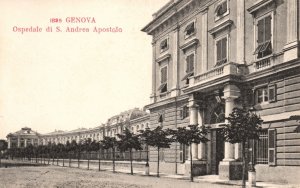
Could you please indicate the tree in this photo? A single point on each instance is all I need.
(100, 149)
(188, 136)
(3, 147)
(145, 136)
(73, 148)
(110, 143)
(158, 138)
(128, 141)
(61, 150)
(29, 151)
(68, 150)
(41, 151)
(242, 126)
(88, 145)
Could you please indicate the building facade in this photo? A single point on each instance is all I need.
(210, 56)
(134, 119)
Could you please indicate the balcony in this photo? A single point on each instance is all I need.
(262, 64)
(225, 70)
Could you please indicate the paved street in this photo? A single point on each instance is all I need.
(53, 176)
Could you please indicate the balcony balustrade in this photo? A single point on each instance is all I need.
(218, 72)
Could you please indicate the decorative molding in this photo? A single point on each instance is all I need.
(189, 44)
(162, 58)
(258, 5)
(224, 25)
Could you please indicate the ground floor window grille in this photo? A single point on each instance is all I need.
(261, 148)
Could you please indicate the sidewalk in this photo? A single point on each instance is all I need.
(213, 179)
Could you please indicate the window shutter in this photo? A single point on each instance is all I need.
(160, 118)
(272, 146)
(260, 31)
(187, 64)
(224, 48)
(190, 63)
(164, 75)
(219, 52)
(267, 28)
(272, 93)
(181, 114)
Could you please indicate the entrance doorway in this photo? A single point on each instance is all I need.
(219, 149)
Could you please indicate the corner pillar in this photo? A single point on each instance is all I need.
(198, 150)
(153, 92)
(174, 89)
(229, 168)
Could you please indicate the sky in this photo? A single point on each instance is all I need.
(63, 80)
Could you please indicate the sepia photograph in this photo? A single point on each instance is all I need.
(149, 93)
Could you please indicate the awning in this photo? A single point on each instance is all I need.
(188, 75)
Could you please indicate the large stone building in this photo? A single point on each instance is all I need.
(210, 56)
(134, 119)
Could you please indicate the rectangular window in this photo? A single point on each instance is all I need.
(262, 95)
(266, 94)
(163, 79)
(184, 113)
(221, 51)
(264, 36)
(272, 146)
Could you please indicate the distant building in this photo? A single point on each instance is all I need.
(210, 56)
(22, 138)
(133, 119)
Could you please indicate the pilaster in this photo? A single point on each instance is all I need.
(175, 47)
(240, 29)
(204, 44)
(153, 93)
(201, 146)
(291, 49)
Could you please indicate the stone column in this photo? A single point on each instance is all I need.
(153, 92)
(8, 143)
(291, 50)
(25, 143)
(175, 47)
(228, 168)
(19, 142)
(229, 148)
(240, 31)
(204, 45)
(193, 107)
(201, 146)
